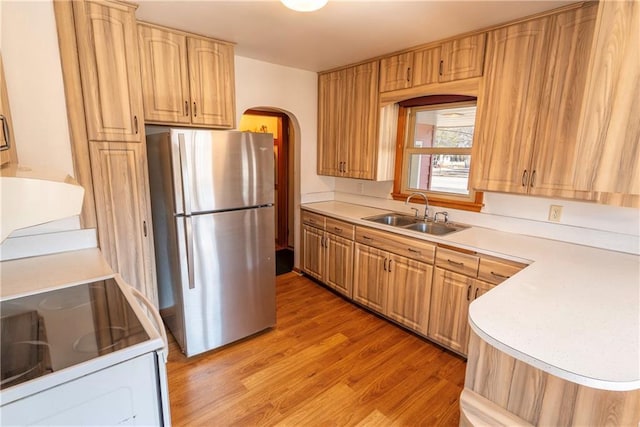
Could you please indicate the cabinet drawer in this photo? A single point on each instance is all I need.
(400, 245)
(457, 261)
(340, 228)
(495, 270)
(313, 219)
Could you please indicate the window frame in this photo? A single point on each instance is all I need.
(474, 201)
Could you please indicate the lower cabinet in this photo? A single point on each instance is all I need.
(450, 298)
(393, 285)
(313, 252)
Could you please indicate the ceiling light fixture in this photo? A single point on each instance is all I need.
(304, 5)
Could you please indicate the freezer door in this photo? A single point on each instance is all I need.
(228, 276)
(224, 170)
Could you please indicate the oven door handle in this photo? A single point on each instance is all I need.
(157, 319)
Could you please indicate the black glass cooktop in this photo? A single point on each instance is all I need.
(54, 330)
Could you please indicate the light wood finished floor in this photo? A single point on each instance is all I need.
(327, 362)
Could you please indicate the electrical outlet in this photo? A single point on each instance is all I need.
(555, 213)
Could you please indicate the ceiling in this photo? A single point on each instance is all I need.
(343, 32)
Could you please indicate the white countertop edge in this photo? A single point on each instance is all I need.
(558, 372)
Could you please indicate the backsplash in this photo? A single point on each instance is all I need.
(590, 224)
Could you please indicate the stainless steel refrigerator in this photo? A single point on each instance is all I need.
(213, 224)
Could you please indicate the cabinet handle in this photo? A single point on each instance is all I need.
(469, 293)
(385, 265)
(326, 242)
(441, 67)
(5, 128)
(475, 296)
(338, 230)
(144, 228)
(135, 124)
(525, 174)
(186, 108)
(195, 110)
(390, 260)
(367, 238)
(344, 167)
(533, 177)
(456, 263)
(499, 276)
(414, 251)
(408, 74)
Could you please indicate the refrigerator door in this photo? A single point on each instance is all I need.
(222, 170)
(227, 276)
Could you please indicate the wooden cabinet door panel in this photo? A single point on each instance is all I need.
(313, 251)
(119, 172)
(555, 163)
(339, 270)
(370, 277)
(211, 83)
(395, 72)
(450, 297)
(108, 54)
(462, 58)
(426, 66)
(361, 120)
(508, 106)
(165, 78)
(409, 293)
(331, 100)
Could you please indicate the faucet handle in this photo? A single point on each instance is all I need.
(416, 210)
(444, 214)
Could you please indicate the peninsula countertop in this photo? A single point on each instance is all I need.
(574, 312)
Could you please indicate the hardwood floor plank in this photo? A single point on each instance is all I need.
(327, 362)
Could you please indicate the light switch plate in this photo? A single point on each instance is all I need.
(555, 213)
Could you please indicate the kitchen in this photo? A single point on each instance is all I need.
(259, 84)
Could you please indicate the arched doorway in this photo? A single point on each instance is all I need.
(278, 124)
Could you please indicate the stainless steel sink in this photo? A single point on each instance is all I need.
(416, 224)
(396, 220)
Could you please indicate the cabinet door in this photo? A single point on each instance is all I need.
(313, 251)
(462, 58)
(339, 270)
(555, 163)
(8, 151)
(450, 296)
(331, 104)
(361, 120)
(370, 277)
(395, 72)
(508, 106)
(165, 80)
(409, 293)
(110, 70)
(426, 66)
(609, 139)
(211, 83)
(119, 172)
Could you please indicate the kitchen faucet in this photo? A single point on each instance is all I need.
(426, 204)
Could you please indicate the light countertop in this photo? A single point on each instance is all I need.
(574, 312)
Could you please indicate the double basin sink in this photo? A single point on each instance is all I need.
(408, 222)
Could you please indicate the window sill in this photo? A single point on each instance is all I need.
(474, 206)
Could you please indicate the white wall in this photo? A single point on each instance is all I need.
(34, 82)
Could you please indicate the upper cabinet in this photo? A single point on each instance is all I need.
(529, 105)
(110, 70)
(7, 144)
(187, 80)
(348, 122)
(457, 59)
(609, 130)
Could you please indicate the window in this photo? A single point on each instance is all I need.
(437, 139)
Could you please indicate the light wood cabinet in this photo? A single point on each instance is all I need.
(313, 251)
(186, 79)
(8, 151)
(456, 59)
(609, 129)
(109, 70)
(450, 298)
(348, 122)
(123, 209)
(339, 263)
(370, 279)
(529, 106)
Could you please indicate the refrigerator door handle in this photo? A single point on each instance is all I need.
(188, 226)
(186, 191)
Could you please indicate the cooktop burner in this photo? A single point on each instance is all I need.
(54, 330)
